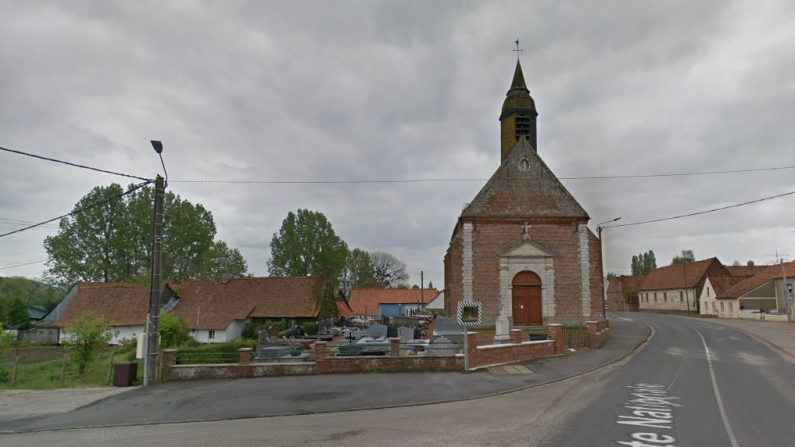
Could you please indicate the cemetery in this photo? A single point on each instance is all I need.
(397, 344)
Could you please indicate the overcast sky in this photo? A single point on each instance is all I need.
(308, 91)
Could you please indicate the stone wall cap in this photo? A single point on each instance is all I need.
(169, 350)
(245, 349)
(516, 330)
(555, 325)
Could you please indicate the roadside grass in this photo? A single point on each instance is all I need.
(47, 375)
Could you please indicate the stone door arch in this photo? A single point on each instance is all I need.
(526, 299)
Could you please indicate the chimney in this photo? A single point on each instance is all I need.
(225, 277)
(751, 268)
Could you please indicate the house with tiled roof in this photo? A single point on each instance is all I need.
(676, 288)
(378, 303)
(742, 270)
(124, 306)
(216, 311)
(766, 290)
(714, 286)
(622, 293)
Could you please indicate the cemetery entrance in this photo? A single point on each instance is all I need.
(526, 299)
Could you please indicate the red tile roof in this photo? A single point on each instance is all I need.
(366, 301)
(763, 275)
(627, 283)
(739, 270)
(217, 304)
(723, 283)
(790, 267)
(121, 304)
(673, 276)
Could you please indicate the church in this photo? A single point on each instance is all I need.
(522, 247)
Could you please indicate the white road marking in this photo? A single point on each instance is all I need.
(729, 431)
(625, 319)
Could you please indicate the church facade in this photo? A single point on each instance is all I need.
(522, 247)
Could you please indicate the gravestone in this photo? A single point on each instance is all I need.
(443, 346)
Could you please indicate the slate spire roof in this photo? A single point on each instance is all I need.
(524, 187)
(518, 96)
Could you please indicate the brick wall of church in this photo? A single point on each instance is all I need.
(597, 284)
(491, 235)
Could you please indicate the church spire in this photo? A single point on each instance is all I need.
(518, 118)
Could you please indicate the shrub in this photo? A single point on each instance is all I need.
(248, 332)
(174, 331)
(309, 328)
(283, 333)
(87, 334)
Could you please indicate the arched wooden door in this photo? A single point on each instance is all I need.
(526, 299)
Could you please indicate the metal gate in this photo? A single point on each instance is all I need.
(575, 337)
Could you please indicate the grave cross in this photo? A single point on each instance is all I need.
(517, 49)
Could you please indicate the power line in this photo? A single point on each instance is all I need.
(701, 212)
(117, 196)
(429, 180)
(24, 263)
(72, 164)
(21, 223)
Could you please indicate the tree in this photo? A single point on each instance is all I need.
(611, 275)
(305, 243)
(388, 270)
(430, 284)
(686, 256)
(112, 242)
(87, 334)
(174, 332)
(14, 312)
(736, 264)
(220, 259)
(358, 272)
(643, 263)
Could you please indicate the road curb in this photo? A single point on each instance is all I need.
(636, 348)
(758, 338)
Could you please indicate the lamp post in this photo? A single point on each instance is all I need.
(602, 263)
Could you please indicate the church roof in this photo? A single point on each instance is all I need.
(518, 96)
(534, 192)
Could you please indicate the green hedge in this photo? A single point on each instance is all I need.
(221, 348)
(309, 328)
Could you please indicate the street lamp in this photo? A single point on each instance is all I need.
(602, 263)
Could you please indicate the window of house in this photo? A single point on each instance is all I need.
(721, 307)
(707, 291)
(655, 297)
(665, 296)
(714, 307)
(731, 307)
(211, 335)
(681, 296)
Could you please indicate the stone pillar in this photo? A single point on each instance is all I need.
(592, 330)
(585, 270)
(169, 358)
(516, 336)
(394, 347)
(244, 356)
(555, 332)
(320, 351)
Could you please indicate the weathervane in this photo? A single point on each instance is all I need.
(517, 49)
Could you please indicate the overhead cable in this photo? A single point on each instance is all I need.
(117, 196)
(72, 164)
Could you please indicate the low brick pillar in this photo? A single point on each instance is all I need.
(472, 352)
(592, 330)
(516, 336)
(320, 350)
(244, 356)
(555, 333)
(607, 323)
(394, 347)
(169, 359)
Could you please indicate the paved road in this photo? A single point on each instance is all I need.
(753, 381)
(696, 383)
(216, 399)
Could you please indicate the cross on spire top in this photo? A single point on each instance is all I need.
(517, 49)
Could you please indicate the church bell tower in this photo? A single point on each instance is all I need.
(518, 118)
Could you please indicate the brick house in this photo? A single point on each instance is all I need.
(676, 288)
(622, 293)
(124, 307)
(377, 303)
(522, 247)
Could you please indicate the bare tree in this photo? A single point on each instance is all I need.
(358, 272)
(388, 270)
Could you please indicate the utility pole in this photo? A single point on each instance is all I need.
(422, 288)
(155, 284)
(602, 264)
(787, 300)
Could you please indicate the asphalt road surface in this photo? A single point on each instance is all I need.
(694, 384)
